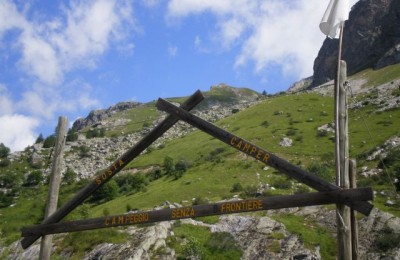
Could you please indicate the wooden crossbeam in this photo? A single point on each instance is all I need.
(114, 168)
(228, 207)
(258, 153)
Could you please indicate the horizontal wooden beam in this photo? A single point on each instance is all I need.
(258, 153)
(228, 207)
(114, 168)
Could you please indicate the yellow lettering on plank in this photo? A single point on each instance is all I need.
(120, 219)
(239, 144)
(114, 221)
(120, 162)
(266, 157)
(107, 221)
(246, 147)
(241, 206)
(253, 150)
(233, 139)
(182, 213)
(259, 154)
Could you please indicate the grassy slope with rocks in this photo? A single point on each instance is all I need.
(213, 168)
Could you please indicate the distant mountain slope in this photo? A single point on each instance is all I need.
(118, 115)
(371, 40)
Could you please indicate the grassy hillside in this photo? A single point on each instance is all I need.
(214, 171)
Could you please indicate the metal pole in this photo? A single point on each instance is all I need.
(54, 185)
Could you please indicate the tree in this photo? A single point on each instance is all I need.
(34, 178)
(49, 142)
(168, 165)
(108, 191)
(4, 151)
(264, 93)
(39, 139)
(72, 135)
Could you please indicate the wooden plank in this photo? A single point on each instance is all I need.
(228, 207)
(258, 153)
(115, 167)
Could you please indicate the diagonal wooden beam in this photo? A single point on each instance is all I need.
(228, 207)
(114, 168)
(258, 153)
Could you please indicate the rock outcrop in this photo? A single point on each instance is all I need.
(371, 40)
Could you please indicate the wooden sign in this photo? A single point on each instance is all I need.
(114, 168)
(258, 153)
(228, 207)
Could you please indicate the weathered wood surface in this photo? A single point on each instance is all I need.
(54, 185)
(343, 181)
(258, 153)
(119, 164)
(228, 207)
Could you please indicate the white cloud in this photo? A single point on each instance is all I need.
(74, 40)
(172, 51)
(17, 131)
(269, 32)
(6, 105)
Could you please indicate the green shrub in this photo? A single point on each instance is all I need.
(221, 242)
(34, 178)
(84, 151)
(388, 240)
(322, 133)
(4, 162)
(249, 191)
(4, 151)
(236, 187)
(72, 135)
(200, 201)
(69, 176)
(108, 191)
(168, 165)
(193, 249)
(291, 132)
(321, 170)
(265, 124)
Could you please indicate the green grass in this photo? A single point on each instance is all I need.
(80, 242)
(299, 115)
(379, 77)
(139, 116)
(200, 241)
(311, 234)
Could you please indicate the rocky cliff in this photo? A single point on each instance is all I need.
(371, 40)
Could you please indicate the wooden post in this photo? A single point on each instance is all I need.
(342, 211)
(54, 185)
(353, 216)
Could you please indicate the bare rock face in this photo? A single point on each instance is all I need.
(371, 40)
(96, 116)
(254, 235)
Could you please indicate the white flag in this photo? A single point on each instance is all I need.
(335, 15)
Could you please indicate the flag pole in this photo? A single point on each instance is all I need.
(336, 92)
(344, 236)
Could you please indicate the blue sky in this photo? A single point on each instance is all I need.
(72, 56)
